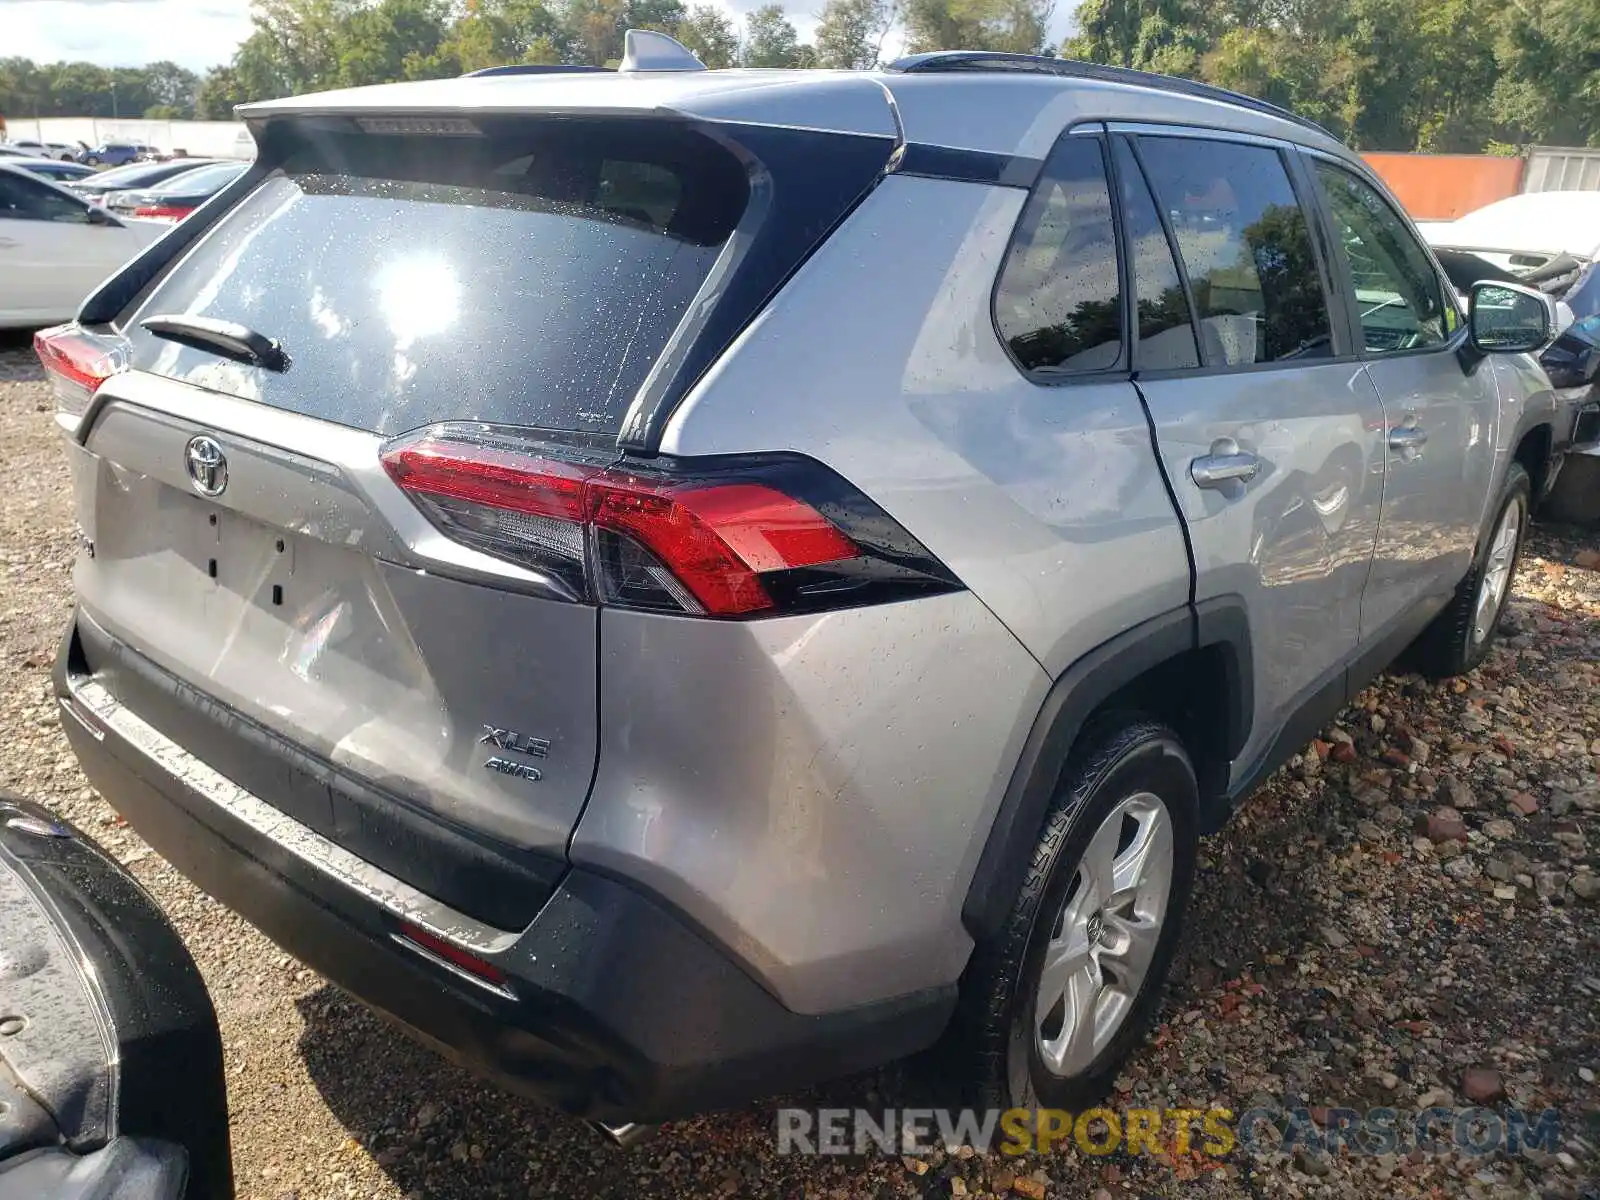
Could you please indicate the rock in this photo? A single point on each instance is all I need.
(1482, 1085)
(1550, 884)
(1311, 1164)
(1572, 839)
(1391, 814)
(1029, 1187)
(1389, 1080)
(1443, 824)
(1505, 892)
(1586, 887)
(1461, 868)
(1589, 560)
(427, 1114)
(1455, 793)
(1421, 751)
(1333, 937)
(1524, 803)
(1396, 758)
(1499, 870)
(1343, 752)
(1335, 734)
(1369, 832)
(1499, 829)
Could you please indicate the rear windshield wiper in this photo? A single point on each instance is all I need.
(227, 338)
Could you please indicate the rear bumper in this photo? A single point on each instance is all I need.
(613, 1007)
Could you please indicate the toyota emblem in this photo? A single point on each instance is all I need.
(208, 466)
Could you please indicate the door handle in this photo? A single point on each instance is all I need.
(1226, 464)
(1407, 441)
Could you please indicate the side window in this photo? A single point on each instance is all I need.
(1246, 247)
(26, 200)
(1059, 304)
(1398, 297)
(1166, 333)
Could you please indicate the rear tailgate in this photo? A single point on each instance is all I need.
(261, 591)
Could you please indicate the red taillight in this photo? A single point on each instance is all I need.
(718, 539)
(163, 212)
(539, 487)
(755, 536)
(698, 546)
(78, 361)
(453, 954)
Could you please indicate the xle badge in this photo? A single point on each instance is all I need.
(517, 743)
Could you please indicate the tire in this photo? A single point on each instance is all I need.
(1460, 636)
(92, 161)
(1003, 1029)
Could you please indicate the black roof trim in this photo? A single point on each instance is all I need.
(941, 61)
(534, 69)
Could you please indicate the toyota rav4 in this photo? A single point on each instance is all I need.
(674, 584)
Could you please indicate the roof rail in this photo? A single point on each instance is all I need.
(942, 61)
(532, 69)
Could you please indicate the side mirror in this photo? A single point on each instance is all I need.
(99, 216)
(1507, 318)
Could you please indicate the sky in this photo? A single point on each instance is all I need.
(199, 34)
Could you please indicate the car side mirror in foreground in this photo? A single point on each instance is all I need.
(1506, 318)
(99, 216)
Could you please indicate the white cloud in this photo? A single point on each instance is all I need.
(125, 33)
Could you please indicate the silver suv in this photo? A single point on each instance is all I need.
(676, 584)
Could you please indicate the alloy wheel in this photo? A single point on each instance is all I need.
(1105, 936)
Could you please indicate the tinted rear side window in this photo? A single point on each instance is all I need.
(531, 275)
(1059, 302)
(1246, 247)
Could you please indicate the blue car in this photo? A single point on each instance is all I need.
(114, 154)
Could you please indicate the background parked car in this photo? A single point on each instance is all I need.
(1548, 240)
(113, 154)
(53, 168)
(59, 151)
(55, 247)
(95, 953)
(135, 175)
(177, 197)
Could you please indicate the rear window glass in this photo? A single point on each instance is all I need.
(531, 275)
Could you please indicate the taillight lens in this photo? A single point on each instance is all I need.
(763, 535)
(163, 212)
(78, 361)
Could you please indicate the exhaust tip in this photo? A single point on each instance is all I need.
(625, 1137)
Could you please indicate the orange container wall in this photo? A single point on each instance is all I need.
(1442, 187)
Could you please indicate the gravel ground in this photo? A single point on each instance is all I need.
(1412, 899)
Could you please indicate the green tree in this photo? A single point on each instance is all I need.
(172, 85)
(1548, 54)
(1017, 26)
(770, 41)
(394, 39)
(218, 92)
(850, 33)
(710, 33)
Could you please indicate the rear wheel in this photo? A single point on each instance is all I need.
(1461, 635)
(1056, 1002)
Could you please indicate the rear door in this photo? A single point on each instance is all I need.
(248, 543)
(1267, 427)
(1440, 407)
(412, 675)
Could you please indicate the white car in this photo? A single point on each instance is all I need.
(55, 247)
(59, 151)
